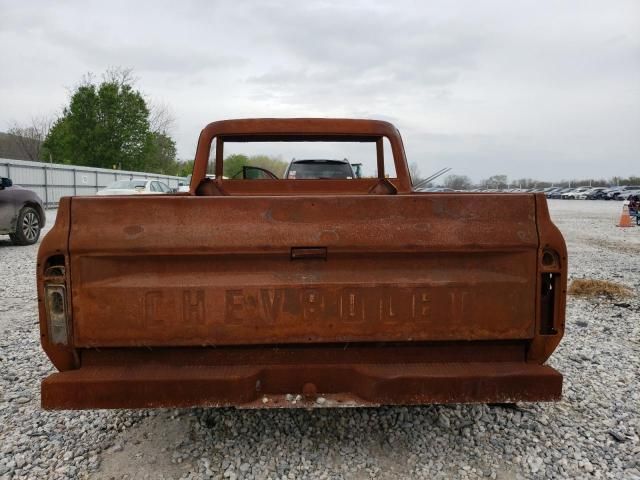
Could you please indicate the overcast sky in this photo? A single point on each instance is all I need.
(539, 89)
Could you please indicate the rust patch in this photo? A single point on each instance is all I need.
(133, 231)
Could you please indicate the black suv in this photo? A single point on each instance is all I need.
(330, 169)
(21, 213)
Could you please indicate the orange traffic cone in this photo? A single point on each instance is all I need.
(625, 219)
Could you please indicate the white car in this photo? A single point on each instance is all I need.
(573, 194)
(136, 186)
(185, 186)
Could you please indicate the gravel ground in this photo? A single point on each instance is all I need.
(592, 433)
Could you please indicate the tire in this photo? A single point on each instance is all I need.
(28, 227)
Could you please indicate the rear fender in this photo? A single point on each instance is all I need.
(54, 251)
(549, 330)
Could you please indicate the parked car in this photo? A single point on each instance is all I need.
(314, 168)
(575, 193)
(565, 191)
(437, 189)
(135, 187)
(183, 186)
(558, 193)
(607, 194)
(631, 193)
(21, 213)
(596, 193)
(613, 193)
(624, 192)
(618, 193)
(551, 190)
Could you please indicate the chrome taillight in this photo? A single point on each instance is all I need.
(56, 306)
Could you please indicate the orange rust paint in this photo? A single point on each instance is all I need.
(340, 292)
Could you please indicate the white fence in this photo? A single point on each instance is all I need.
(52, 181)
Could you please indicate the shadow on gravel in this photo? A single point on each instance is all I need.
(384, 442)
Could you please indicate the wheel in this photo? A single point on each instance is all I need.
(27, 227)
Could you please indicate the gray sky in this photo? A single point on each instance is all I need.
(544, 89)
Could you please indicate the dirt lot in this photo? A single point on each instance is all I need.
(592, 433)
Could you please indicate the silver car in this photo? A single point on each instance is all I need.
(136, 187)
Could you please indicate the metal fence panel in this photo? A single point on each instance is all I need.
(60, 177)
(51, 181)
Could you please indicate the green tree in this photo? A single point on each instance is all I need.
(233, 164)
(161, 155)
(274, 164)
(107, 125)
(55, 145)
(184, 168)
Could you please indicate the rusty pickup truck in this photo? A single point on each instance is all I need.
(274, 292)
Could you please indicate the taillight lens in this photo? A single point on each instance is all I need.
(56, 305)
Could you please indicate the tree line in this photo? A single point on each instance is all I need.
(110, 124)
(501, 182)
(232, 165)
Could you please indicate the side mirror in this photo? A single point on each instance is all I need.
(5, 182)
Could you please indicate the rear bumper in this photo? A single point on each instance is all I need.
(278, 386)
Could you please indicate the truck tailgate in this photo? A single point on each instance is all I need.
(195, 271)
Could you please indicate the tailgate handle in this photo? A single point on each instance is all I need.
(304, 253)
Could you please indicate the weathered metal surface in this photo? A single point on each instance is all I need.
(149, 386)
(267, 277)
(299, 129)
(280, 379)
(169, 279)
